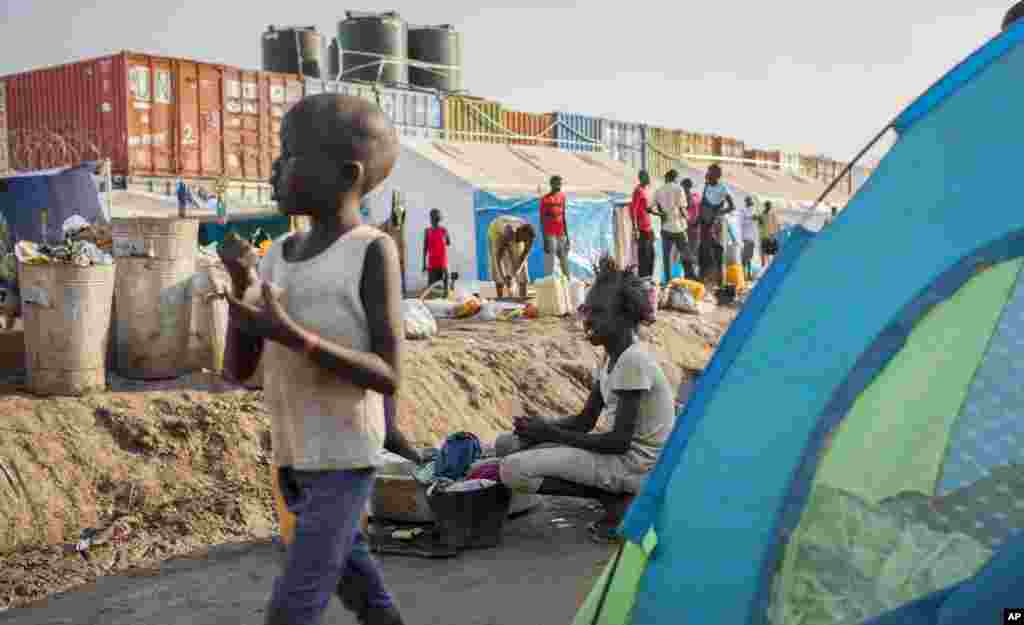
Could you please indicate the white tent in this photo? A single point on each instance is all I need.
(449, 177)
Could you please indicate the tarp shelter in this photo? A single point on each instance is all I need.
(855, 444)
(35, 204)
(472, 183)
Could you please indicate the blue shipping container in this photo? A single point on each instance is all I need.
(578, 133)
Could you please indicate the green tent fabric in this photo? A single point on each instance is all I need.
(623, 574)
(906, 415)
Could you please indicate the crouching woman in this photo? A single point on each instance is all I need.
(570, 457)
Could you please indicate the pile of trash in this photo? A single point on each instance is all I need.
(84, 245)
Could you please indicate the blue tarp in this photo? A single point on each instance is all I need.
(590, 229)
(61, 192)
(273, 225)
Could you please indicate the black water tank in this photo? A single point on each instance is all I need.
(379, 35)
(441, 45)
(293, 50)
(333, 59)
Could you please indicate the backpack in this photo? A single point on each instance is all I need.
(459, 452)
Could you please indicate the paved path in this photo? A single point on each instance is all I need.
(538, 577)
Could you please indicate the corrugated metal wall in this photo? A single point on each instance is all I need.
(84, 101)
(473, 119)
(578, 133)
(5, 161)
(538, 126)
(414, 113)
(665, 148)
(626, 142)
(161, 116)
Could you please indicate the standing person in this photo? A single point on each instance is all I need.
(511, 240)
(436, 241)
(555, 228)
(769, 227)
(395, 228)
(693, 224)
(671, 204)
(715, 203)
(643, 234)
(748, 231)
(324, 314)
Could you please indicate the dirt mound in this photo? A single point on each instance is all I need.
(163, 470)
(477, 376)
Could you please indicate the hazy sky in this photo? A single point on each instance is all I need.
(789, 74)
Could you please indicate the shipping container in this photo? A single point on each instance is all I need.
(579, 133)
(472, 119)
(414, 113)
(704, 143)
(152, 116)
(727, 147)
(766, 159)
(531, 128)
(626, 142)
(664, 150)
(791, 161)
(810, 166)
(4, 154)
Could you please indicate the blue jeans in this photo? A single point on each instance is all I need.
(329, 546)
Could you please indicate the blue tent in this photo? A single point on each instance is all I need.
(857, 441)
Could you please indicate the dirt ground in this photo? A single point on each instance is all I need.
(168, 469)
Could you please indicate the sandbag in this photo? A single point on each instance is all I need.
(419, 322)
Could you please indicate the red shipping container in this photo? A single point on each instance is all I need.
(151, 115)
(539, 125)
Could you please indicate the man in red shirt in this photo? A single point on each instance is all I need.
(643, 234)
(556, 231)
(435, 252)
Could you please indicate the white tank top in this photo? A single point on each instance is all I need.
(320, 421)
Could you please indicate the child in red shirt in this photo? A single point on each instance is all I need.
(435, 252)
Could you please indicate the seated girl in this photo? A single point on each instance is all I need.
(567, 457)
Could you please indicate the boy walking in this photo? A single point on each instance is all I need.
(323, 312)
(436, 241)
